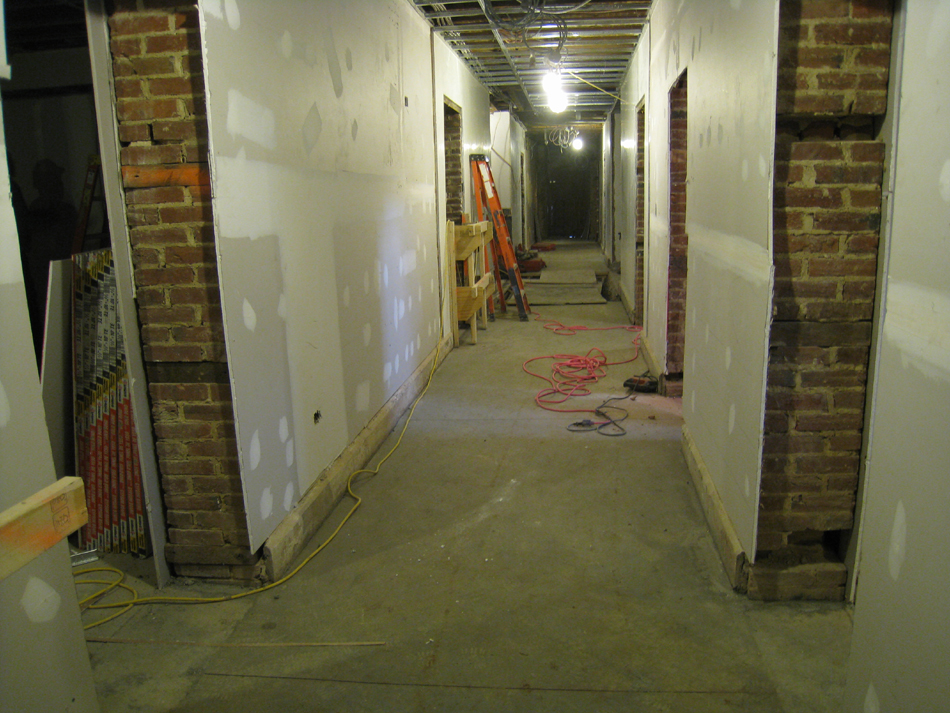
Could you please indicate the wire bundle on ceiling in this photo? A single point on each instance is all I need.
(537, 15)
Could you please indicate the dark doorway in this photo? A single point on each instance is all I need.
(572, 181)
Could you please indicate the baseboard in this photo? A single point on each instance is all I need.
(723, 531)
(294, 532)
(647, 352)
(626, 302)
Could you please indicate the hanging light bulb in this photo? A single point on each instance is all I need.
(551, 83)
(557, 101)
(577, 144)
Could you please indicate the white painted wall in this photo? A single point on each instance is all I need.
(507, 147)
(729, 49)
(324, 183)
(44, 664)
(901, 638)
(453, 80)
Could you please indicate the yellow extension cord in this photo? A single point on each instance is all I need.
(127, 604)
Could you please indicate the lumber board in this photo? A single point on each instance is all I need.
(32, 526)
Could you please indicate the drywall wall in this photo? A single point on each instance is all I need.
(729, 49)
(606, 187)
(44, 665)
(500, 124)
(901, 639)
(323, 179)
(634, 93)
(453, 80)
(507, 148)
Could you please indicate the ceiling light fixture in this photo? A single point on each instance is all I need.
(564, 137)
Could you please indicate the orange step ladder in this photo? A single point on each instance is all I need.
(487, 197)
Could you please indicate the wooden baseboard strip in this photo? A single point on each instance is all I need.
(293, 534)
(723, 531)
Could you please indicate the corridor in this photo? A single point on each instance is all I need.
(502, 563)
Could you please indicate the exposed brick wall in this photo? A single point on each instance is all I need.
(827, 201)
(676, 301)
(454, 186)
(834, 57)
(163, 135)
(640, 213)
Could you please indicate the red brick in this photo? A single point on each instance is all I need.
(155, 335)
(217, 483)
(128, 88)
(144, 109)
(140, 216)
(839, 311)
(794, 197)
(865, 33)
(175, 86)
(167, 315)
(165, 276)
(207, 412)
(138, 24)
(188, 255)
(125, 47)
(792, 443)
(150, 155)
(877, 58)
(859, 289)
(206, 554)
(134, 132)
(146, 257)
(816, 58)
(195, 537)
(175, 353)
(185, 214)
(151, 66)
(860, 174)
(835, 422)
(826, 463)
(179, 392)
(165, 194)
(189, 467)
(159, 236)
(823, 9)
(178, 130)
(173, 42)
(194, 295)
(198, 334)
(185, 431)
(796, 401)
(841, 267)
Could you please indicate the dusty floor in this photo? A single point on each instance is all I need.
(506, 564)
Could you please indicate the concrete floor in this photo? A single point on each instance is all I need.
(508, 565)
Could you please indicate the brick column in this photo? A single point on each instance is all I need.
(833, 62)
(676, 299)
(160, 104)
(641, 216)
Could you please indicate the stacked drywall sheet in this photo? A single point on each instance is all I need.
(106, 446)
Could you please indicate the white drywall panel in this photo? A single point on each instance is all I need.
(323, 172)
(729, 49)
(634, 94)
(901, 638)
(519, 152)
(500, 124)
(453, 80)
(44, 665)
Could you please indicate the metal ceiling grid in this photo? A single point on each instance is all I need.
(511, 44)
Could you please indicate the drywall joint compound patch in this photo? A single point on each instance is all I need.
(4, 407)
(40, 602)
